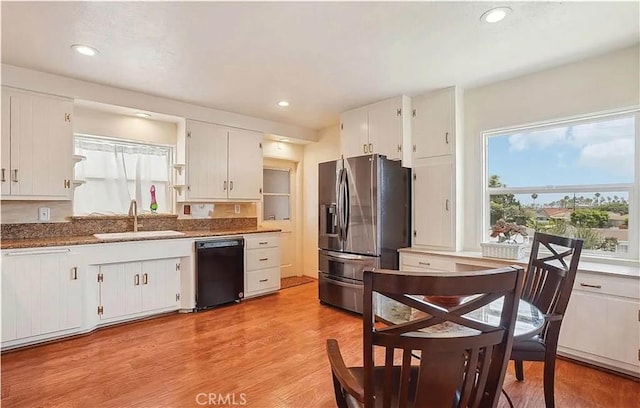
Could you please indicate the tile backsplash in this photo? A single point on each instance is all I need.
(14, 212)
(27, 211)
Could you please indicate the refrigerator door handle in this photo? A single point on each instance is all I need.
(340, 207)
(347, 204)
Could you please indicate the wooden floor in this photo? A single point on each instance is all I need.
(267, 352)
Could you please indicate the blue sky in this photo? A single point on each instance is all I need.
(591, 153)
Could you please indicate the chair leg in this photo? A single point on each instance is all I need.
(519, 370)
(549, 380)
(337, 389)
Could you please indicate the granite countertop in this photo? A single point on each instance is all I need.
(90, 239)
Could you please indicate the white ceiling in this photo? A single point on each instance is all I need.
(323, 57)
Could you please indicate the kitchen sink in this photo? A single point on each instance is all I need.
(138, 234)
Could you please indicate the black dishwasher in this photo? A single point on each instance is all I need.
(220, 272)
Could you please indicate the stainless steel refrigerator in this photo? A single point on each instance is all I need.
(364, 217)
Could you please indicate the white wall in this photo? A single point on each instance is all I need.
(99, 123)
(327, 148)
(603, 83)
(74, 88)
(283, 150)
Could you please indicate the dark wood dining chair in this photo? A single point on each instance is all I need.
(464, 366)
(547, 285)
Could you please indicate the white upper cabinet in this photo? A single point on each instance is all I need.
(37, 146)
(206, 167)
(436, 170)
(222, 163)
(245, 164)
(382, 127)
(434, 123)
(355, 132)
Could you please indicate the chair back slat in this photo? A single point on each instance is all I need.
(465, 370)
(551, 272)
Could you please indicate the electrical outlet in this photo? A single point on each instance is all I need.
(44, 213)
(236, 208)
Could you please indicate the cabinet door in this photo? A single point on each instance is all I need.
(602, 325)
(434, 123)
(355, 133)
(245, 164)
(120, 289)
(40, 295)
(433, 210)
(41, 148)
(206, 167)
(385, 128)
(5, 147)
(12, 291)
(160, 284)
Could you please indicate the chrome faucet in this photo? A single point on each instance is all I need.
(133, 212)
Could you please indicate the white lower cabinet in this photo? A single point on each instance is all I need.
(132, 288)
(425, 263)
(262, 264)
(41, 295)
(601, 324)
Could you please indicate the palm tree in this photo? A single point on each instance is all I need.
(533, 197)
(597, 198)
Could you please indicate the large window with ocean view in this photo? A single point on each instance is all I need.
(575, 178)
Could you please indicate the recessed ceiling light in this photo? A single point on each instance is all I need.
(283, 104)
(495, 14)
(143, 115)
(85, 49)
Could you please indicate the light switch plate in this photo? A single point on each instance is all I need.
(44, 213)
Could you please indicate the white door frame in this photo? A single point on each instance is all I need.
(291, 230)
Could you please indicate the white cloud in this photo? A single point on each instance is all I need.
(614, 157)
(577, 136)
(607, 146)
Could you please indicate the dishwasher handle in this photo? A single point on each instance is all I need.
(220, 243)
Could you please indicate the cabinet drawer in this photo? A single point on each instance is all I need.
(263, 279)
(608, 284)
(426, 263)
(261, 241)
(263, 258)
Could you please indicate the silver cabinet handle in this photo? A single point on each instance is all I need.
(370, 148)
(263, 243)
(364, 148)
(263, 259)
(586, 285)
(15, 176)
(136, 280)
(446, 137)
(224, 186)
(4, 179)
(263, 280)
(145, 279)
(446, 204)
(231, 185)
(424, 263)
(74, 273)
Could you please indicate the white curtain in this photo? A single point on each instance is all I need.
(117, 172)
